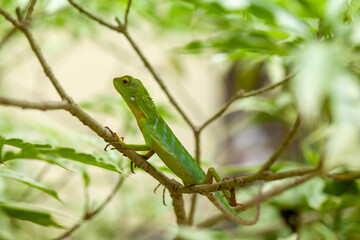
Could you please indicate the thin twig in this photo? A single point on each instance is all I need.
(89, 215)
(138, 160)
(42, 105)
(192, 209)
(29, 11)
(240, 94)
(198, 160)
(344, 176)
(158, 79)
(120, 28)
(19, 15)
(10, 18)
(7, 36)
(127, 14)
(39, 176)
(47, 69)
(286, 141)
(86, 207)
(94, 17)
(24, 28)
(253, 201)
(245, 180)
(83, 116)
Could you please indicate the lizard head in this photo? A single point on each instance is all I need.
(134, 93)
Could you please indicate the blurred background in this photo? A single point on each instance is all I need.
(205, 51)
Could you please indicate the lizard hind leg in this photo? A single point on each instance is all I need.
(145, 157)
(232, 198)
(228, 194)
(210, 176)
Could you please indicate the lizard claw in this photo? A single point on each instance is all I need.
(164, 202)
(120, 140)
(132, 166)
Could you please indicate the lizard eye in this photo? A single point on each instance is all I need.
(125, 81)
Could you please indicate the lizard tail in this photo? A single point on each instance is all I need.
(221, 203)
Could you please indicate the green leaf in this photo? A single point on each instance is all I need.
(28, 181)
(318, 65)
(308, 194)
(46, 152)
(322, 231)
(29, 213)
(71, 154)
(314, 193)
(342, 147)
(276, 15)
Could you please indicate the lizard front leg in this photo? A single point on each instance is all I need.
(135, 147)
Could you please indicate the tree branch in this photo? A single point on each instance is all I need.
(128, 6)
(285, 143)
(120, 28)
(43, 105)
(91, 214)
(253, 201)
(240, 94)
(192, 209)
(8, 17)
(7, 36)
(47, 69)
(344, 176)
(245, 180)
(179, 209)
(83, 116)
(25, 29)
(94, 17)
(29, 11)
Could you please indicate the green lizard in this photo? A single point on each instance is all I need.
(160, 139)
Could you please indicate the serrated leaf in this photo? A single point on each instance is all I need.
(10, 155)
(19, 143)
(71, 154)
(28, 181)
(46, 152)
(29, 213)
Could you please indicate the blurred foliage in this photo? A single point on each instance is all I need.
(318, 40)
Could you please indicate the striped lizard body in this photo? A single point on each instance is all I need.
(160, 139)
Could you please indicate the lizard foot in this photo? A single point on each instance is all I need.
(120, 140)
(232, 198)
